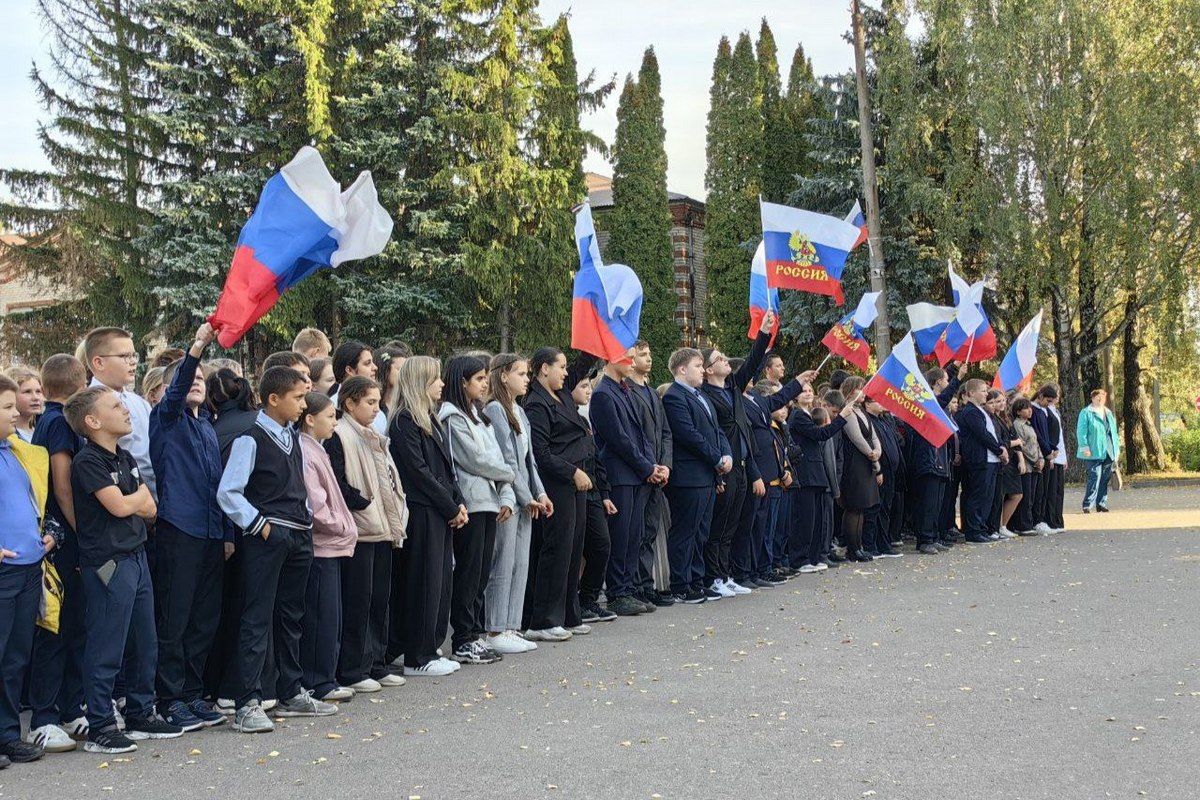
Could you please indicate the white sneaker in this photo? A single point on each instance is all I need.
(338, 693)
(391, 681)
(821, 566)
(1006, 533)
(437, 668)
(582, 629)
(398, 661)
(506, 644)
(77, 729)
(267, 705)
(1058, 530)
(719, 586)
(367, 686)
(547, 635)
(808, 569)
(1043, 528)
(225, 706)
(119, 717)
(454, 665)
(516, 636)
(736, 587)
(51, 738)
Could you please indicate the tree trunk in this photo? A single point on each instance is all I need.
(1143, 447)
(1069, 390)
(505, 323)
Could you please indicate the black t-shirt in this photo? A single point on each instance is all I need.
(101, 535)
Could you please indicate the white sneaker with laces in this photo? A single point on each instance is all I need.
(736, 587)
(808, 569)
(51, 738)
(437, 668)
(225, 706)
(366, 686)
(720, 587)
(506, 644)
(391, 681)
(339, 693)
(1043, 528)
(582, 629)
(559, 630)
(547, 635)
(77, 729)
(821, 566)
(267, 705)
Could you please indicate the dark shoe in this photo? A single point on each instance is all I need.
(625, 607)
(647, 606)
(759, 582)
(1102, 509)
(942, 547)
(662, 599)
(946, 543)
(695, 598)
(978, 540)
(178, 713)
(204, 712)
(110, 740)
(151, 728)
(19, 752)
(1087, 510)
(862, 556)
(593, 613)
(831, 563)
(834, 558)
(712, 594)
(928, 549)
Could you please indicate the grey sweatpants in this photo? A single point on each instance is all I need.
(504, 598)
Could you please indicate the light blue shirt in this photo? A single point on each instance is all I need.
(231, 494)
(19, 528)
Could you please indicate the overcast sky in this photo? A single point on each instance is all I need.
(610, 36)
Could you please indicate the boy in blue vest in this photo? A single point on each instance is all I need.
(262, 491)
(112, 507)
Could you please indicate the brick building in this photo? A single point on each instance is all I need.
(20, 291)
(687, 241)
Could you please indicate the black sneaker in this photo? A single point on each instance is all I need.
(179, 714)
(20, 752)
(942, 547)
(1102, 509)
(661, 599)
(695, 598)
(138, 728)
(588, 615)
(759, 582)
(204, 712)
(110, 740)
(928, 549)
(626, 607)
(602, 613)
(711, 594)
(644, 602)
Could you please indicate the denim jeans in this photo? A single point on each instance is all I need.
(1095, 491)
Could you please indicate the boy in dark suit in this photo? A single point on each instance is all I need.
(702, 458)
(654, 423)
(982, 455)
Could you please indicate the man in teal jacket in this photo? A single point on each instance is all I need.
(1099, 447)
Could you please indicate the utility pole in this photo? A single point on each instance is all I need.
(883, 341)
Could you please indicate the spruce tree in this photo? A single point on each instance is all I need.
(734, 182)
(83, 213)
(777, 178)
(799, 106)
(640, 222)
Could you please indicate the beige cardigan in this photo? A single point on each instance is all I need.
(371, 470)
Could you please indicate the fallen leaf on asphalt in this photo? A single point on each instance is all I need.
(626, 743)
(195, 751)
(332, 735)
(103, 765)
(273, 754)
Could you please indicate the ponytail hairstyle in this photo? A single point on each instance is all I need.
(458, 370)
(540, 358)
(413, 380)
(314, 403)
(354, 388)
(225, 385)
(384, 357)
(499, 366)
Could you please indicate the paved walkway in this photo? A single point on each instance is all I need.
(1057, 667)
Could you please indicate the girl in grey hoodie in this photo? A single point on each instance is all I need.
(486, 481)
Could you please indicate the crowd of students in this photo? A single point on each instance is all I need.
(233, 552)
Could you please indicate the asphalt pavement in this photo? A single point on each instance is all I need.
(1054, 667)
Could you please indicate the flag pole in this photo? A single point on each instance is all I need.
(970, 347)
(823, 362)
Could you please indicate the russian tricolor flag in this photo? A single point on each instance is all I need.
(1016, 370)
(806, 250)
(900, 387)
(762, 297)
(927, 323)
(606, 308)
(303, 222)
(979, 345)
(856, 218)
(845, 339)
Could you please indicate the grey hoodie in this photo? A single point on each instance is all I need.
(483, 475)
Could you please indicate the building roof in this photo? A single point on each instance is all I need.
(600, 193)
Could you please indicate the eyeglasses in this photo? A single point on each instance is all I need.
(130, 358)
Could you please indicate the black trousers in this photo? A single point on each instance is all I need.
(56, 667)
(366, 593)
(119, 611)
(807, 536)
(926, 500)
(691, 516)
(188, 575)
(320, 641)
(274, 585)
(993, 519)
(1023, 517)
(727, 514)
(1056, 485)
(474, 544)
(656, 513)
(898, 513)
(555, 541)
(979, 486)
(423, 605)
(20, 595)
(626, 530)
(877, 521)
(741, 548)
(949, 530)
(597, 549)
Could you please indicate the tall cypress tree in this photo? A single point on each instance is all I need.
(734, 181)
(777, 180)
(640, 222)
(799, 106)
(104, 156)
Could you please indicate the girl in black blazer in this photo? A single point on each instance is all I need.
(563, 448)
(808, 467)
(419, 446)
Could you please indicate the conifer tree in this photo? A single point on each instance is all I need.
(734, 182)
(777, 177)
(640, 222)
(799, 106)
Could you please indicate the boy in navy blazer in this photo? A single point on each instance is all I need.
(982, 455)
(702, 458)
(629, 459)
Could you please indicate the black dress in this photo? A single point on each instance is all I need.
(1010, 473)
(859, 491)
